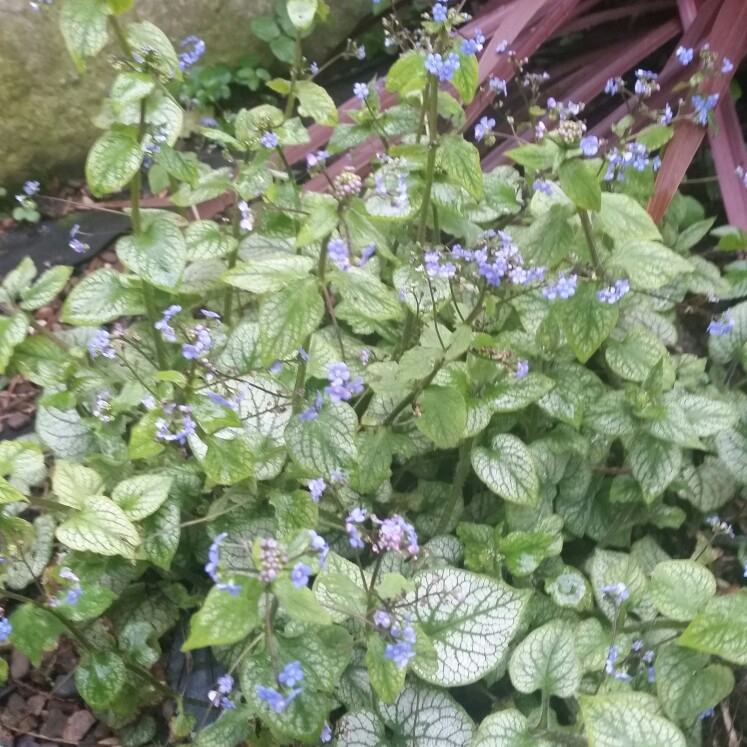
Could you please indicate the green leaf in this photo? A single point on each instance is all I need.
(144, 34)
(508, 728)
(512, 394)
(269, 274)
(507, 468)
(460, 161)
(228, 461)
(623, 220)
(466, 78)
(655, 136)
(83, 25)
(569, 588)
(536, 156)
(142, 495)
(21, 570)
(46, 288)
(101, 297)
(63, 432)
(633, 357)
(326, 443)
(182, 166)
(470, 620)
(324, 653)
(731, 445)
(300, 604)
(224, 618)
(586, 321)
(546, 660)
(622, 721)
(720, 629)
(681, 588)
(34, 631)
(112, 162)
(101, 526)
(581, 184)
(161, 534)
(73, 483)
(158, 254)
(301, 13)
(387, 679)
(231, 728)
(443, 416)
(287, 318)
(365, 298)
(13, 330)
(265, 28)
(654, 464)
(100, 677)
(338, 589)
(407, 74)
(687, 685)
(211, 183)
(316, 103)
(648, 264)
(143, 443)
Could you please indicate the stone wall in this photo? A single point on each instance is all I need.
(46, 106)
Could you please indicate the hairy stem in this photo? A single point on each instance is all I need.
(462, 470)
(592, 242)
(430, 168)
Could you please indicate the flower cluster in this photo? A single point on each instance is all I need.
(403, 647)
(559, 110)
(100, 344)
(246, 220)
(361, 91)
(316, 158)
(102, 407)
(390, 182)
(613, 293)
(269, 140)
(633, 155)
(219, 696)
(163, 325)
(474, 45)
(179, 426)
(317, 486)
(720, 526)
(444, 69)
(684, 55)
(645, 664)
(497, 85)
(291, 675)
(72, 589)
(645, 83)
(312, 413)
(201, 342)
(272, 559)
(484, 127)
(193, 48)
(300, 575)
(702, 105)
(619, 592)
(396, 534)
(319, 544)
(347, 183)
(341, 387)
(564, 287)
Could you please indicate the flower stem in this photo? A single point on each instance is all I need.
(462, 470)
(430, 168)
(592, 242)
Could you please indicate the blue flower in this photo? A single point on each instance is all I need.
(403, 649)
(274, 699)
(563, 288)
(361, 92)
(722, 325)
(211, 567)
(339, 253)
(666, 116)
(209, 314)
(100, 344)
(645, 83)
(269, 140)
(315, 159)
(382, 619)
(225, 684)
(502, 46)
(522, 369)
(702, 105)
(340, 387)
(31, 188)
(394, 533)
(444, 69)
(473, 46)
(326, 735)
(684, 55)
(727, 66)
(610, 666)
(319, 544)
(312, 413)
(75, 243)
(360, 52)
(163, 326)
(201, 345)
(617, 590)
(614, 85)
(291, 675)
(194, 49)
(440, 12)
(484, 127)
(317, 486)
(275, 367)
(589, 145)
(497, 85)
(613, 293)
(356, 516)
(366, 253)
(540, 185)
(706, 714)
(300, 575)
(5, 628)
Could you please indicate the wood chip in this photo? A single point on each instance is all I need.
(78, 725)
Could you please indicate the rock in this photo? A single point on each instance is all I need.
(47, 105)
(78, 725)
(19, 664)
(35, 704)
(64, 686)
(54, 723)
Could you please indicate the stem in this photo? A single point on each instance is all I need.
(652, 625)
(232, 257)
(298, 387)
(460, 476)
(121, 38)
(415, 393)
(430, 168)
(294, 76)
(591, 241)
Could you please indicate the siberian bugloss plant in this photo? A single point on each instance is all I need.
(424, 458)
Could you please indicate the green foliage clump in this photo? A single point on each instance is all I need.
(420, 456)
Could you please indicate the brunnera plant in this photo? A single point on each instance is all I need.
(420, 458)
